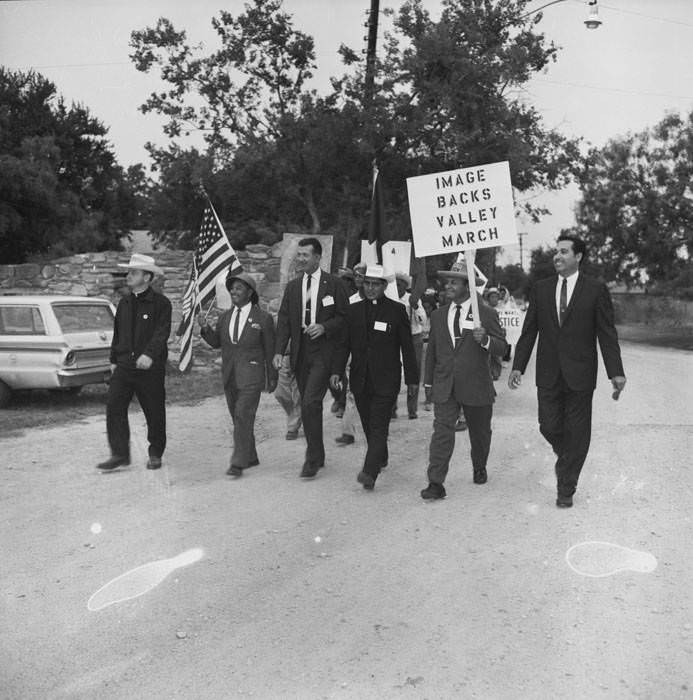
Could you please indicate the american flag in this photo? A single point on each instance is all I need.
(213, 256)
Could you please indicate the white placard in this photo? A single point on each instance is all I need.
(462, 209)
(511, 320)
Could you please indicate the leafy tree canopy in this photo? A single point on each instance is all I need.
(61, 189)
(447, 94)
(636, 210)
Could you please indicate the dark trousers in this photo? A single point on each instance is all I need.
(148, 386)
(313, 376)
(375, 411)
(243, 403)
(565, 420)
(413, 396)
(445, 416)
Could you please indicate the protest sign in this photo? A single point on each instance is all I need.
(511, 321)
(462, 209)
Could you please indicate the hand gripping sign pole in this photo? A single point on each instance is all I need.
(460, 211)
(471, 276)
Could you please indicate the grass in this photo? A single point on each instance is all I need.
(32, 409)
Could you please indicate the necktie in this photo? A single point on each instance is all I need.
(563, 304)
(456, 323)
(306, 315)
(234, 337)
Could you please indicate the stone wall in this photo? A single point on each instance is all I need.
(98, 274)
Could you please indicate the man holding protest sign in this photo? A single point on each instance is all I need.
(569, 313)
(457, 371)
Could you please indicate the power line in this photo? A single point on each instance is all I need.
(612, 89)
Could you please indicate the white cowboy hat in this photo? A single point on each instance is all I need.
(142, 262)
(376, 272)
(404, 277)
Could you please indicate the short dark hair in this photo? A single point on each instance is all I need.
(312, 241)
(578, 244)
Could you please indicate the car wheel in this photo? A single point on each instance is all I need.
(5, 394)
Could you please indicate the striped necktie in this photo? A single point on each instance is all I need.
(306, 315)
(563, 303)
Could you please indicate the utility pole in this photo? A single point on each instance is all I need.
(372, 25)
(522, 259)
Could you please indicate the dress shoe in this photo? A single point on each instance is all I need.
(366, 480)
(480, 476)
(335, 407)
(233, 470)
(433, 492)
(339, 413)
(427, 406)
(460, 426)
(344, 439)
(292, 434)
(154, 462)
(309, 470)
(564, 502)
(413, 416)
(254, 462)
(114, 462)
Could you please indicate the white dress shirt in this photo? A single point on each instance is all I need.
(570, 287)
(244, 311)
(464, 312)
(465, 322)
(314, 285)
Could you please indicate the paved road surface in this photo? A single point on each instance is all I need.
(470, 597)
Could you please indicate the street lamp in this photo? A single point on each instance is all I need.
(592, 21)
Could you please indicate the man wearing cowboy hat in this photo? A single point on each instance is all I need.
(245, 334)
(138, 364)
(457, 371)
(376, 335)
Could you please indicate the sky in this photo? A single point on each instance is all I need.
(618, 79)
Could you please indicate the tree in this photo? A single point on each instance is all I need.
(447, 95)
(541, 264)
(61, 189)
(636, 208)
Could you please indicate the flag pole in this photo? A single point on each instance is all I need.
(469, 256)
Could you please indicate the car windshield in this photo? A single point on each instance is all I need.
(75, 318)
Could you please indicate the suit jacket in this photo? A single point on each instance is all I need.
(375, 353)
(151, 326)
(462, 370)
(248, 363)
(330, 315)
(570, 350)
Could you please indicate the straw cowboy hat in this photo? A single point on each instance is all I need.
(142, 262)
(459, 270)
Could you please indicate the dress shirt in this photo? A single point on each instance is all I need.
(464, 312)
(314, 285)
(570, 287)
(244, 311)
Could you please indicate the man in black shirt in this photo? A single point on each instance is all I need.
(138, 364)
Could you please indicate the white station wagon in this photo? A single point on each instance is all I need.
(54, 342)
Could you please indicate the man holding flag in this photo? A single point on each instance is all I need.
(213, 255)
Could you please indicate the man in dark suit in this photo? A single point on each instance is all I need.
(376, 333)
(245, 334)
(139, 350)
(311, 315)
(457, 372)
(569, 313)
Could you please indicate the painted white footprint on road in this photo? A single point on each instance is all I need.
(140, 580)
(597, 559)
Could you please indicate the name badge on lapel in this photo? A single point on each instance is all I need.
(380, 326)
(145, 316)
(327, 300)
